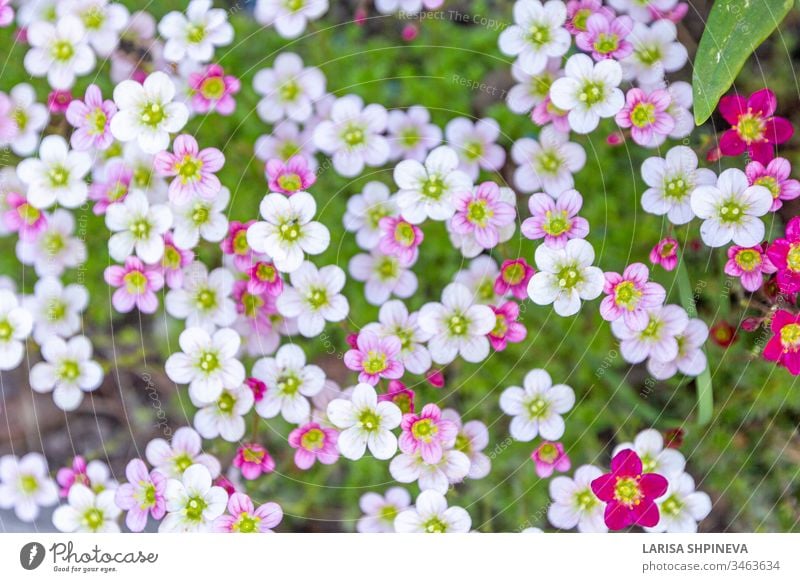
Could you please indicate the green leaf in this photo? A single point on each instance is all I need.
(734, 30)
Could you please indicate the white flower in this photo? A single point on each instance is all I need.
(409, 7)
(146, 112)
(431, 515)
(538, 34)
(290, 382)
(184, 451)
(25, 485)
(479, 278)
(457, 325)
(195, 34)
(285, 141)
(681, 507)
(656, 51)
(289, 18)
(537, 408)
(411, 134)
(56, 308)
(475, 145)
(671, 181)
(574, 502)
(144, 176)
(531, 90)
(394, 320)
(57, 175)
(204, 300)
(731, 209)
(364, 212)
(289, 89)
(30, 118)
(691, 359)
(380, 510)
(193, 503)
(588, 91)
(16, 323)
(426, 191)
(87, 511)
(201, 218)
(352, 135)
(658, 339)
(137, 227)
(288, 230)
(103, 22)
(472, 439)
(452, 468)
(207, 363)
(59, 51)
(224, 416)
(314, 297)
(384, 275)
(365, 422)
(565, 277)
(55, 248)
(679, 108)
(68, 371)
(649, 445)
(642, 11)
(548, 164)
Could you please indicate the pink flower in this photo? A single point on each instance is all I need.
(514, 276)
(236, 244)
(91, 119)
(213, 90)
(58, 101)
(253, 460)
(264, 278)
(290, 176)
(482, 214)
(23, 218)
(143, 494)
(784, 253)
(630, 296)
(409, 32)
(550, 457)
(605, 37)
(314, 443)
(579, 12)
(665, 253)
(112, 188)
(6, 13)
(173, 262)
(751, 264)
(246, 518)
(136, 283)
(507, 328)
(774, 177)
(556, 221)
(192, 168)
(427, 433)
(754, 128)
(629, 493)
(647, 116)
(66, 477)
(676, 14)
(400, 395)
(399, 238)
(375, 358)
(257, 387)
(545, 112)
(784, 346)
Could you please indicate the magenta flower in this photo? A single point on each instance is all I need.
(754, 127)
(545, 112)
(750, 264)
(428, 433)
(774, 177)
(399, 394)
(647, 116)
(665, 253)
(513, 278)
(630, 296)
(58, 101)
(193, 170)
(253, 460)
(314, 443)
(91, 119)
(482, 214)
(435, 378)
(143, 494)
(506, 328)
(257, 387)
(264, 278)
(784, 253)
(400, 238)
(66, 477)
(23, 218)
(113, 188)
(236, 244)
(213, 90)
(290, 176)
(136, 285)
(579, 12)
(6, 13)
(244, 517)
(173, 262)
(550, 457)
(556, 221)
(605, 37)
(375, 358)
(784, 346)
(629, 493)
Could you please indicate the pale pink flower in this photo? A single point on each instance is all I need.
(775, 177)
(314, 443)
(112, 187)
(482, 213)
(630, 296)
(142, 495)
(244, 517)
(550, 457)
(91, 119)
(428, 433)
(750, 264)
(173, 261)
(375, 358)
(136, 285)
(23, 218)
(193, 170)
(556, 221)
(606, 37)
(291, 176)
(647, 116)
(400, 239)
